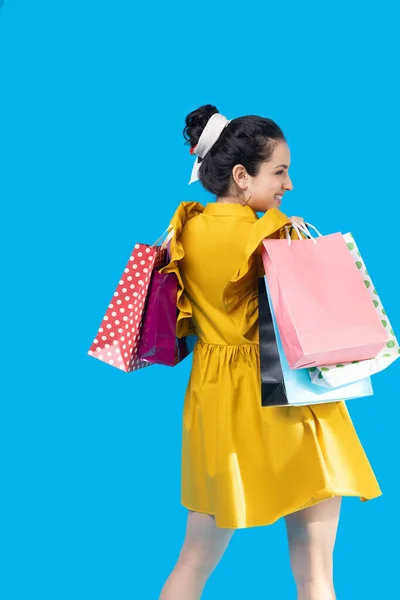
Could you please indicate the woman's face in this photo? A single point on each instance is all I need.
(272, 180)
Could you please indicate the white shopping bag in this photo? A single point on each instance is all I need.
(331, 376)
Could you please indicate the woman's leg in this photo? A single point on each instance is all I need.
(311, 535)
(202, 550)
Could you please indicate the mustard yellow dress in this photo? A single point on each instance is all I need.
(246, 464)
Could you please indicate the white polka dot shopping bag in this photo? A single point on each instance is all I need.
(118, 337)
(331, 376)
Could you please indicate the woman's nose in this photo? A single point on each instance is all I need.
(289, 184)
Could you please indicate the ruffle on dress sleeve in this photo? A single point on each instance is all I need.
(270, 225)
(184, 212)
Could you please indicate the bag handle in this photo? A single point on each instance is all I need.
(299, 230)
(167, 239)
(305, 229)
(302, 228)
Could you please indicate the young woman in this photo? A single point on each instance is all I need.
(244, 465)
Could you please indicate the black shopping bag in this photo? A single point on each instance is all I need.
(273, 391)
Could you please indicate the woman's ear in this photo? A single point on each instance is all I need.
(240, 176)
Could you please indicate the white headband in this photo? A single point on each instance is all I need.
(211, 132)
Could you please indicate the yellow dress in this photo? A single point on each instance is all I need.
(246, 464)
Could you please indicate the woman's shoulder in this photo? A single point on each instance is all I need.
(184, 212)
(272, 223)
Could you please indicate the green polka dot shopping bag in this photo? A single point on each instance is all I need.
(331, 376)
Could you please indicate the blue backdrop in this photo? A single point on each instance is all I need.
(94, 96)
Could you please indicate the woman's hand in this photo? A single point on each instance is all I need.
(298, 220)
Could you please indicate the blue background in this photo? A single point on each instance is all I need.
(93, 101)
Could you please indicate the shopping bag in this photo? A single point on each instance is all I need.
(282, 386)
(322, 307)
(158, 342)
(118, 337)
(342, 373)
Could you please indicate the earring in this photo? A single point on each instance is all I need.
(244, 202)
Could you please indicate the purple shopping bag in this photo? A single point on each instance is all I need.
(158, 343)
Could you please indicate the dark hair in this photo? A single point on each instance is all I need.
(248, 141)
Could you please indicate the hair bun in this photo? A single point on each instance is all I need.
(196, 121)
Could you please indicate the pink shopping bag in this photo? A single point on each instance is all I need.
(322, 307)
